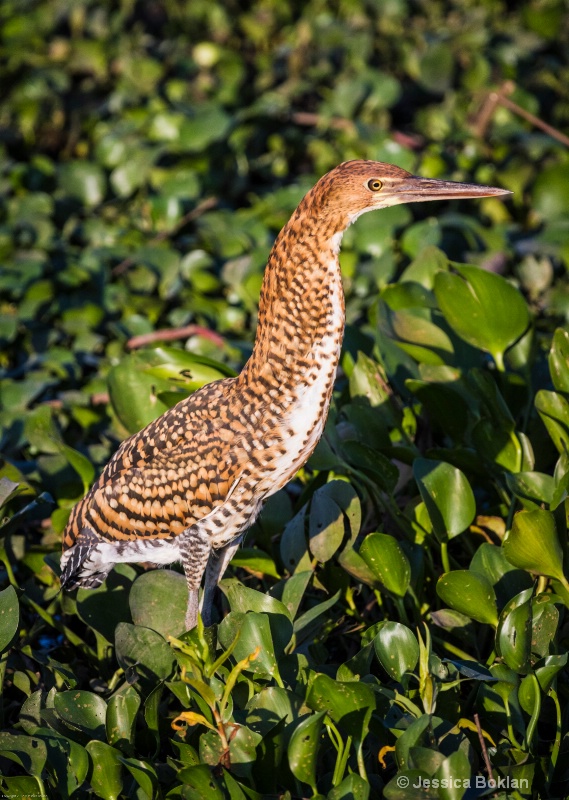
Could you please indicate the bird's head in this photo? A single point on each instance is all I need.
(355, 187)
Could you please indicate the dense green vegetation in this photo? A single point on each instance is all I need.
(404, 599)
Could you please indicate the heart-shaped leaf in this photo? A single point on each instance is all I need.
(447, 495)
(397, 649)
(533, 544)
(483, 308)
(385, 557)
(469, 593)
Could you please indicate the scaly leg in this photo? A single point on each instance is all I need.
(195, 549)
(216, 566)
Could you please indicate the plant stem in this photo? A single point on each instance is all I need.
(558, 731)
(444, 556)
(532, 724)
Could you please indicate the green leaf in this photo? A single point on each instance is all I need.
(106, 775)
(548, 668)
(303, 748)
(81, 464)
(120, 721)
(255, 560)
(348, 703)
(107, 605)
(209, 125)
(255, 631)
(553, 409)
(82, 711)
(9, 617)
(267, 708)
(385, 557)
(447, 495)
(533, 544)
(470, 594)
(28, 751)
(199, 783)
(482, 308)
(559, 360)
(325, 527)
(513, 637)
(143, 773)
(454, 775)
(397, 649)
(351, 788)
(83, 180)
(158, 600)
(143, 651)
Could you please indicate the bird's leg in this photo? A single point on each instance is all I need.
(216, 566)
(195, 549)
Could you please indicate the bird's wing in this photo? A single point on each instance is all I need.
(169, 475)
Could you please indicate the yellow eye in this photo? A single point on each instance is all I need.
(374, 185)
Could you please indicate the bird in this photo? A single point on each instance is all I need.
(188, 486)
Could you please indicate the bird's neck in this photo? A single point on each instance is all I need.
(301, 309)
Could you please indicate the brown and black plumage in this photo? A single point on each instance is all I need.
(188, 486)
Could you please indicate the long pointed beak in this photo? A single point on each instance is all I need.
(415, 189)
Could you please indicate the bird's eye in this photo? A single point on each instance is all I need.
(374, 185)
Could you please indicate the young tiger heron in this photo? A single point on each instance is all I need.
(187, 487)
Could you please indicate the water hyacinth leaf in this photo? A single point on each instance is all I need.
(267, 708)
(454, 776)
(416, 335)
(470, 594)
(241, 598)
(158, 600)
(553, 409)
(67, 759)
(255, 561)
(200, 783)
(325, 526)
(293, 544)
(82, 711)
(378, 466)
(122, 709)
(559, 360)
(446, 492)
(29, 752)
(351, 788)
(349, 704)
(528, 694)
(306, 620)
(548, 668)
(81, 464)
(9, 617)
(482, 308)
(83, 180)
(513, 636)
(135, 395)
(254, 630)
(533, 544)
(143, 653)
(404, 786)
(304, 746)
(534, 486)
(444, 405)
(397, 649)
(106, 775)
(385, 557)
(490, 562)
(545, 621)
(412, 736)
(106, 606)
(143, 773)
(293, 591)
(355, 566)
